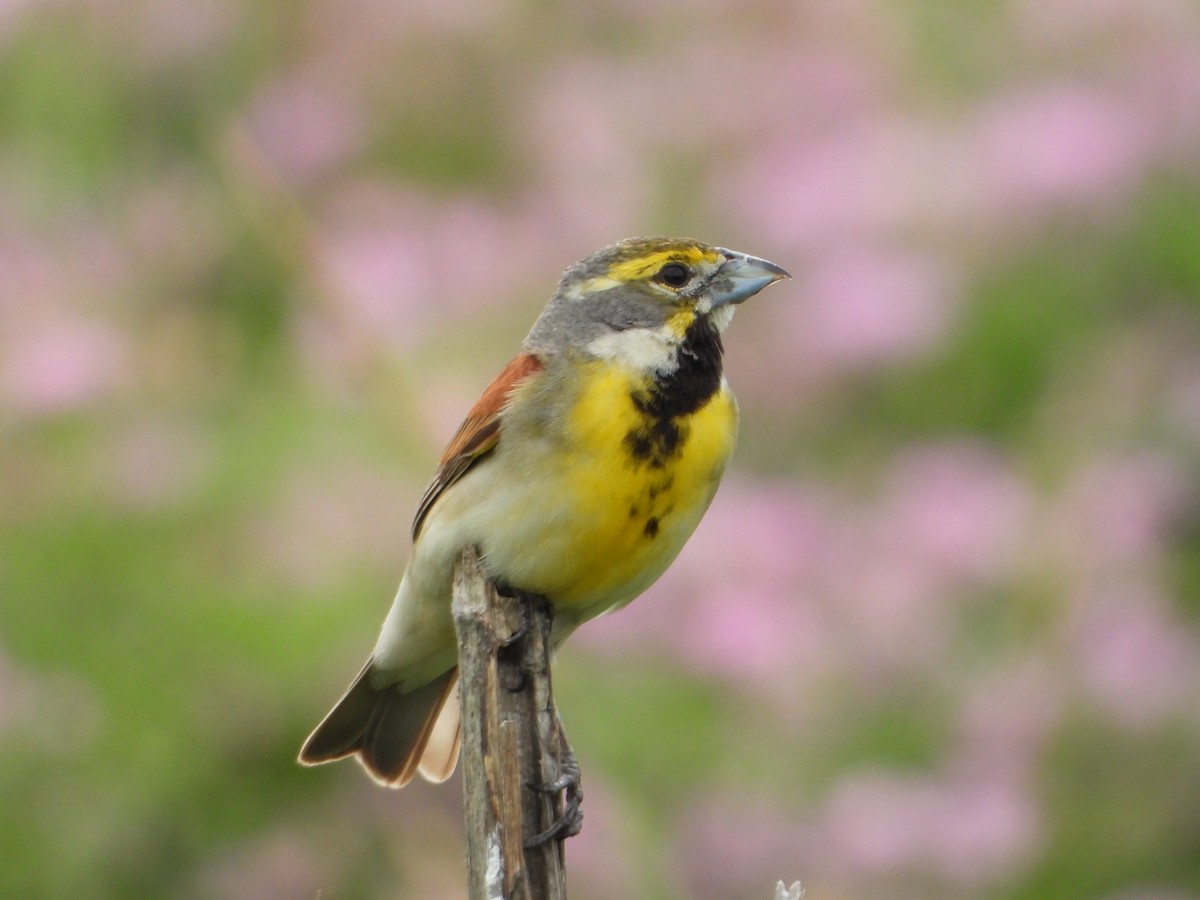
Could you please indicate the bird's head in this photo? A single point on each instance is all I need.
(638, 299)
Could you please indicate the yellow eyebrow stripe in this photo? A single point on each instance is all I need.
(643, 266)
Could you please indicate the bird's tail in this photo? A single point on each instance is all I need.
(393, 734)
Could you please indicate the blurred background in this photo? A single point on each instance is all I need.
(939, 635)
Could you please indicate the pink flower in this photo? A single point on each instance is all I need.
(169, 32)
(304, 126)
(1116, 511)
(601, 864)
(1060, 144)
(858, 181)
(767, 638)
(62, 366)
(1165, 81)
(329, 522)
(728, 848)
(858, 308)
(585, 154)
(864, 308)
(875, 831)
(373, 260)
(1006, 716)
(950, 518)
(1138, 661)
(283, 863)
(395, 264)
(968, 832)
(957, 509)
(156, 463)
(172, 228)
(1070, 25)
(744, 600)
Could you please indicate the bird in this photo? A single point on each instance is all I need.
(578, 475)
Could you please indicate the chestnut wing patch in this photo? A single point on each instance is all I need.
(478, 434)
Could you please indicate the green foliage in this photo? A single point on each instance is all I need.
(1126, 798)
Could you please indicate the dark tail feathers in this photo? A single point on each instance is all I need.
(386, 729)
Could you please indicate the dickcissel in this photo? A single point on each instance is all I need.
(579, 474)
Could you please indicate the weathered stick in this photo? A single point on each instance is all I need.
(504, 683)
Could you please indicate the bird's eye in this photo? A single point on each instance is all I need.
(674, 275)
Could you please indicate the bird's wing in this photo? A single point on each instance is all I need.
(478, 435)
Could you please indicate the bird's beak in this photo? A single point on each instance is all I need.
(742, 276)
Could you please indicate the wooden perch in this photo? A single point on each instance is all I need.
(512, 743)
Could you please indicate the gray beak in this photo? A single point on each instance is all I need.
(742, 276)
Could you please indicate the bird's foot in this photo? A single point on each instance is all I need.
(570, 820)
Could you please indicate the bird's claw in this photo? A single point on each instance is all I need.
(570, 821)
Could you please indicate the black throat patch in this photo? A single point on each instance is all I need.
(680, 393)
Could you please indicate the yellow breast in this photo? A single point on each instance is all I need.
(625, 491)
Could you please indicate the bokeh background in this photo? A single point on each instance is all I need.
(939, 635)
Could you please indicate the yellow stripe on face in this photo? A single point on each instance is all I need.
(680, 322)
(644, 266)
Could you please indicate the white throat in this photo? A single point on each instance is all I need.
(640, 349)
